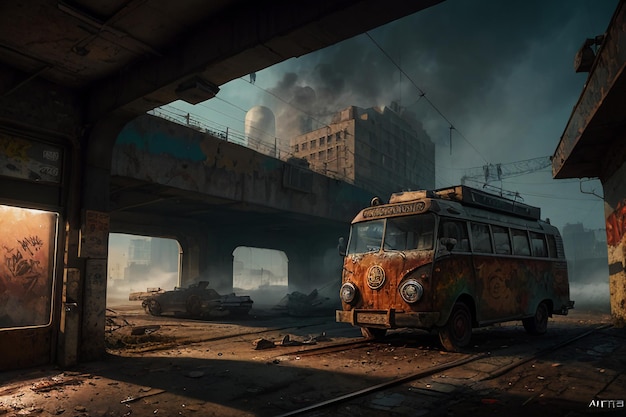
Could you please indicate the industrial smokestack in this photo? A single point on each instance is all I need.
(260, 130)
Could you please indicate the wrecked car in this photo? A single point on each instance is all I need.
(197, 300)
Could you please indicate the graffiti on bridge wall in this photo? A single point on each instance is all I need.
(616, 224)
(27, 245)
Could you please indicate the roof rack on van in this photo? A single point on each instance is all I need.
(473, 197)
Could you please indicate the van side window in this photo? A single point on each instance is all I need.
(520, 242)
(538, 243)
(481, 240)
(552, 246)
(501, 240)
(456, 230)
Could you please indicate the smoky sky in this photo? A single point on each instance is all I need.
(500, 72)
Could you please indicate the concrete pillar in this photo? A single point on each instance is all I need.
(217, 262)
(615, 214)
(94, 230)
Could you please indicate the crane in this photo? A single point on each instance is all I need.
(496, 172)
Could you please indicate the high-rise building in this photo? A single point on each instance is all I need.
(382, 150)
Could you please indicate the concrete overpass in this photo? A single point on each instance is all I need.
(72, 75)
(170, 180)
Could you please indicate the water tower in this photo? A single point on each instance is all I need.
(260, 130)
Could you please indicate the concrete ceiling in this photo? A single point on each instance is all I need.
(126, 57)
(136, 55)
(592, 143)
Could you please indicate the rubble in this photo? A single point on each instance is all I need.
(312, 304)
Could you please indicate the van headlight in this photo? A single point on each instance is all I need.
(347, 292)
(411, 291)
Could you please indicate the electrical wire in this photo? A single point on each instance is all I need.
(422, 94)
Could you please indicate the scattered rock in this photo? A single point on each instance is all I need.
(263, 344)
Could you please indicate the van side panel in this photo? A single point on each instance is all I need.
(453, 275)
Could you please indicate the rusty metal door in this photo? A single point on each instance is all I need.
(28, 286)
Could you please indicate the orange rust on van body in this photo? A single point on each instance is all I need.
(396, 267)
(490, 260)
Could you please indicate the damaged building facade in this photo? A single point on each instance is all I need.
(380, 149)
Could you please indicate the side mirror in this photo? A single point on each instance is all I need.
(342, 247)
(448, 243)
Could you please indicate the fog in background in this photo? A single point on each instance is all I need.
(119, 290)
(136, 270)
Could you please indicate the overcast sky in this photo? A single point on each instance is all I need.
(500, 72)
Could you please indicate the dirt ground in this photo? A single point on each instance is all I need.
(177, 366)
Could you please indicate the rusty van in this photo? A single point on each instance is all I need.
(449, 260)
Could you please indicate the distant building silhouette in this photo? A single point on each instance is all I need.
(586, 253)
(383, 150)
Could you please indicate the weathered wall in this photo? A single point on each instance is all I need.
(615, 213)
(155, 150)
(36, 115)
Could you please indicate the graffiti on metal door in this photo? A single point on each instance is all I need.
(27, 247)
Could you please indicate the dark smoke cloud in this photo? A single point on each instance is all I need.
(492, 68)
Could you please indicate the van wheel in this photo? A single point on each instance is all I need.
(373, 333)
(537, 324)
(457, 332)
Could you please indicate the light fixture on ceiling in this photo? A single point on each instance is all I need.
(585, 57)
(196, 90)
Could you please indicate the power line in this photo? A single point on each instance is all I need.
(422, 94)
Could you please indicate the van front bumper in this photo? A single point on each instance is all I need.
(387, 319)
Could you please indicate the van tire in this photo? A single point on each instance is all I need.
(457, 332)
(373, 333)
(537, 324)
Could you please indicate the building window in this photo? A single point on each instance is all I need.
(312, 156)
(313, 144)
(322, 140)
(296, 148)
(321, 155)
(330, 152)
(304, 146)
(338, 136)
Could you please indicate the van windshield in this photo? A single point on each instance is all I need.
(397, 233)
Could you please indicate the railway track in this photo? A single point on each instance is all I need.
(458, 362)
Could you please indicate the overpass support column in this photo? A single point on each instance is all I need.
(216, 264)
(314, 264)
(615, 213)
(94, 232)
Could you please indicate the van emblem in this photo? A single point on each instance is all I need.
(375, 277)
